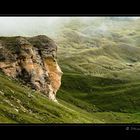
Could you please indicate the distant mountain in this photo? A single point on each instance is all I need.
(107, 47)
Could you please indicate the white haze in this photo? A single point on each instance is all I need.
(31, 26)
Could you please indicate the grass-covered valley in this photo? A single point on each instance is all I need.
(100, 60)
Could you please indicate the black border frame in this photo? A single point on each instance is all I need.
(107, 127)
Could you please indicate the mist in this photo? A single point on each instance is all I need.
(31, 26)
(28, 26)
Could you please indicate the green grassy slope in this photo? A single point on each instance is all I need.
(101, 94)
(19, 104)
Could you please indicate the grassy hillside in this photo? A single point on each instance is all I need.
(105, 48)
(101, 94)
(19, 104)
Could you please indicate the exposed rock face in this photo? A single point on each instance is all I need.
(33, 60)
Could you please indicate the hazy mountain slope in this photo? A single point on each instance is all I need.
(107, 48)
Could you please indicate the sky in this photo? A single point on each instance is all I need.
(26, 26)
(30, 26)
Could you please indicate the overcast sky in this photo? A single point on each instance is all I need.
(29, 26)
(26, 25)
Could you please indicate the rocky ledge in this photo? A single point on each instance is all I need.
(32, 60)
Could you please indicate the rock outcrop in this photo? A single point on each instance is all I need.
(33, 60)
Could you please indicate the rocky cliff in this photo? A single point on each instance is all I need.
(32, 60)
